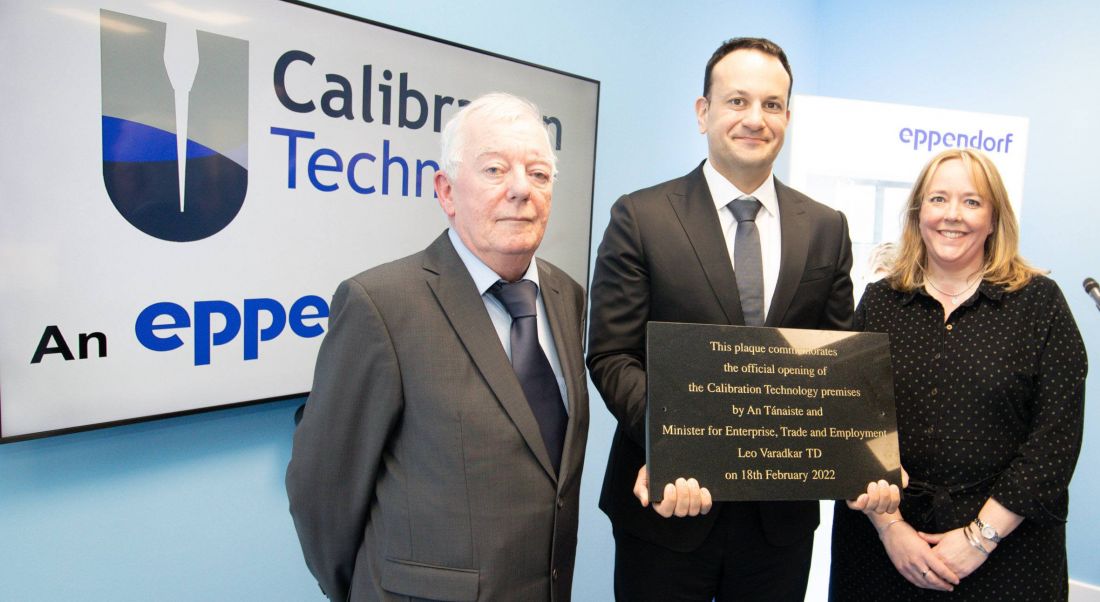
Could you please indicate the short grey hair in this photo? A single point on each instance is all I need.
(495, 105)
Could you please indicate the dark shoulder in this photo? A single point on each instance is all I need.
(815, 209)
(680, 186)
(1040, 308)
(395, 277)
(1041, 294)
(560, 279)
(391, 269)
(558, 274)
(878, 307)
(880, 293)
(1039, 286)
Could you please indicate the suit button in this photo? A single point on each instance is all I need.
(554, 574)
(561, 502)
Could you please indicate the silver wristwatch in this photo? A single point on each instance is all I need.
(988, 531)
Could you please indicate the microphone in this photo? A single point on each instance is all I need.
(1093, 289)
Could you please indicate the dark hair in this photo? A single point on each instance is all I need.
(759, 44)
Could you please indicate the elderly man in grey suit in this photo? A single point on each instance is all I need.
(439, 455)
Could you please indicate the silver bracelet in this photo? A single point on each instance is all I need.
(882, 533)
(974, 541)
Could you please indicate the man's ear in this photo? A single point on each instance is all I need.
(444, 192)
(701, 108)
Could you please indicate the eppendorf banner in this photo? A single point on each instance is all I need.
(185, 185)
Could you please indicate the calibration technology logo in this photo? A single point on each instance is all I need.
(175, 126)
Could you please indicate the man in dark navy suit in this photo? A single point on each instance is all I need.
(669, 255)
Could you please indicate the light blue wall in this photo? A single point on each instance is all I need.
(184, 509)
(193, 508)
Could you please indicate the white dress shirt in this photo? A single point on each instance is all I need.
(767, 223)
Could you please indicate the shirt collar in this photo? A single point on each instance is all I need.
(722, 191)
(484, 276)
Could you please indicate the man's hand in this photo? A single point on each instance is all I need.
(881, 498)
(684, 498)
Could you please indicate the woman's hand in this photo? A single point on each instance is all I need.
(955, 550)
(914, 559)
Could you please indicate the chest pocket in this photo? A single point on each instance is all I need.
(817, 273)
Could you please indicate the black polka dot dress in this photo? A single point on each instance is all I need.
(990, 403)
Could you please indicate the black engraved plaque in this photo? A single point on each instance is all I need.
(769, 413)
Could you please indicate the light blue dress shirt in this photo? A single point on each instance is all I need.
(484, 278)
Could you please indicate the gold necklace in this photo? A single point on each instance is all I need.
(954, 296)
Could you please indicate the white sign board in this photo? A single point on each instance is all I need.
(134, 284)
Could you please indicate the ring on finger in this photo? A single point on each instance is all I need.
(924, 574)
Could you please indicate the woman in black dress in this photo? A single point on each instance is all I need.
(989, 379)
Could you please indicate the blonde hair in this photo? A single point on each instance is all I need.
(1002, 264)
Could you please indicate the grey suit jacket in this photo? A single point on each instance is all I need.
(418, 470)
(664, 257)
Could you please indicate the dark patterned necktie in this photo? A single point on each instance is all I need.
(747, 264)
(531, 366)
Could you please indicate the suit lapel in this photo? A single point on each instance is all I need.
(793, 227)
(458, 297)
(566, 332)
(695, 209)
